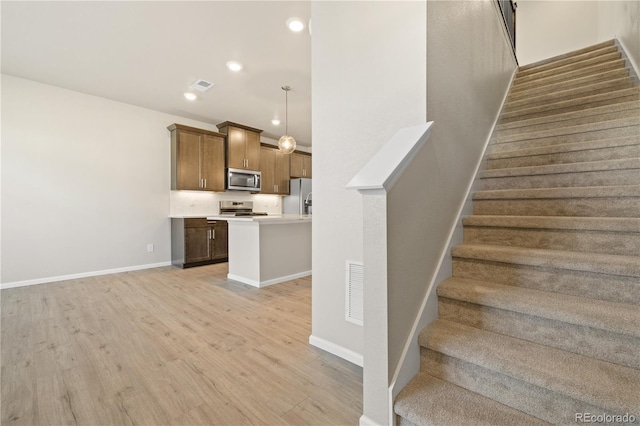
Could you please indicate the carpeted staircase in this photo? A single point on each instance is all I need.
(541, 318)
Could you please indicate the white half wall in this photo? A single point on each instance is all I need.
(549, 28)
(368, 81)
(85, 183)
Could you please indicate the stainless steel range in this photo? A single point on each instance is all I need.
(238, 208)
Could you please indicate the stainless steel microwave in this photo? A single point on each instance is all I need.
(244, 180)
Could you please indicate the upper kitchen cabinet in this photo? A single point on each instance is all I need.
(243, 145)
(197, 159)
(300, 165)
(274, 167)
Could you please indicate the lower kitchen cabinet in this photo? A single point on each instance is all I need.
(198, 241)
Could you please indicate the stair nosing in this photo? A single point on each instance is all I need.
(612, 191)
(563, 223)
(564, 168)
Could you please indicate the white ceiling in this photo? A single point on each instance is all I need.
(147, 54)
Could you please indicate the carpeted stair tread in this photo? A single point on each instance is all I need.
(563, 85)
(570, 54)
(608, 54)
(589, 112)
(569, 93)
(566, 147)
(628, 266)
(597, 314)
(560, 193)
(605, 224)
(632, 120)
(600, 383)
(431, 401)
(585, 166)
(576, 104)
(533, 81)
(627, 110)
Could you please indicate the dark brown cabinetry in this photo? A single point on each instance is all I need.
(243, 145)
(197, 159)
(274, 166)
(198, 241)
(300, 165)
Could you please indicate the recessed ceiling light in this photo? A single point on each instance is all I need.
(190, 96)
(295, 24)
(234, 66)
(275, 122)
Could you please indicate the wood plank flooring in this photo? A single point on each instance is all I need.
(168, 346)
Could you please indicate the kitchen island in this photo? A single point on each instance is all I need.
(266, 250)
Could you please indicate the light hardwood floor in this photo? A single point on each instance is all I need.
(168, 346)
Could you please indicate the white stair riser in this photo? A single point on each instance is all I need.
(613, 288)
(599, 344)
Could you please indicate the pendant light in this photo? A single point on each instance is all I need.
(286, 144)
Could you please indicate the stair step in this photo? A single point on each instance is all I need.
(562, 374)
(533, 73)
(573, 53)
(427, 400)
(567, 116)
(611, 201)
(619, 236)
(620, 128)
(606, 149)
(595, 115)
(521, 92)
(568, 93)
(533, 81)
(624, 171)
(628, 266)
(579, 104)
(631, 118)
(604, 330)
(554, 63)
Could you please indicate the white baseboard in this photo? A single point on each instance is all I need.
(366, 421)
(336, 350)
(265, 283)
(81, 275)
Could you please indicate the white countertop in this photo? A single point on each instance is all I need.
(268, 219)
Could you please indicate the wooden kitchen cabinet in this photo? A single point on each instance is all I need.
(274, 167)
(197, 241)
(197, 159)
(243, 145)
(300, 166)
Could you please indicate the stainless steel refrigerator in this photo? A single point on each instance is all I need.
(299, 202)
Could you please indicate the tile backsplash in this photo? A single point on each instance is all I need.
(206, 203)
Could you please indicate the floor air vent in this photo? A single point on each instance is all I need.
(354, 296)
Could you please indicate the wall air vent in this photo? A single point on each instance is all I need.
(354, 308)
(201, 85)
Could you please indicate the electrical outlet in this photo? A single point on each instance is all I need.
(149, 248)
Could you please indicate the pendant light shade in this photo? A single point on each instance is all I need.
(286, 144)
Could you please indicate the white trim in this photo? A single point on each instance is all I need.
(384, 168)
(336, 350)
(82, 275)
(403, 373)
(627, 58)
(366, 421)
(266, 283)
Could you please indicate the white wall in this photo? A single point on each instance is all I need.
(85, 183)
(549, 28)
(368, 81)
(621, 19)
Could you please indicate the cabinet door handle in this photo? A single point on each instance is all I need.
(213, 234)
(205, 183)
(209, 234)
